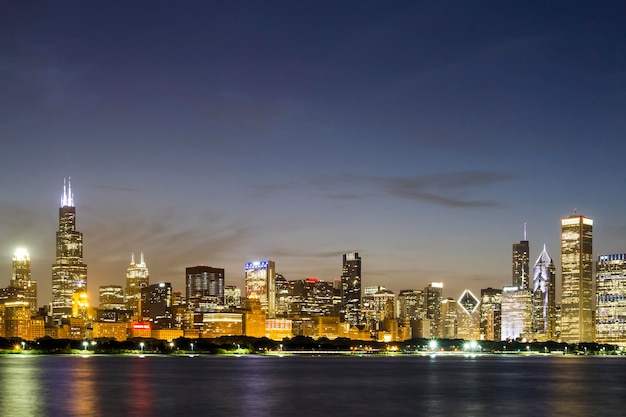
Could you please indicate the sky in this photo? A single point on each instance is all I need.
(420, 134)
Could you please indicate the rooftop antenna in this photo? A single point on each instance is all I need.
(575, 210)
(525, 231)
(132, 258)
(142, 258)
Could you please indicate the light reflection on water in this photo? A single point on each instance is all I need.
(311, 386)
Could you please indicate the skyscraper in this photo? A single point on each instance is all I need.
(521, 266)
(611, 299)
(432, 306)
(21, 279)
(260, 278)
(204, 287)
(544, 299)
(111, 297)
(69, 272)
(351, 287)
(137, 278)
(156, 303)
(490, 313)
(577, 279)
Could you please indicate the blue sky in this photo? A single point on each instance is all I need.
(421, 134)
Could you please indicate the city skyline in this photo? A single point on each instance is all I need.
(417, 135)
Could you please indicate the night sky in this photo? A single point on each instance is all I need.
(420, 134)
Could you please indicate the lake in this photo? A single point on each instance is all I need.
(260, 386)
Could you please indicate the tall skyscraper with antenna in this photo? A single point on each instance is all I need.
(137, 278)
(69, 272)
(521, 263)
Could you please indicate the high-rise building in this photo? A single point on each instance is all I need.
(433, 295)
(232, 296)
(351, 288)
(611, 299)
(69, 272)
(468, 316)
(577, 279)
(516, 313)
(449, 319)
(490, 313)
(544, 298)
(521, 266)
(204, 288)
(137, 278)
(156, 303)
(111, 297)
(411, 304)
(260, 278)
(21, 279)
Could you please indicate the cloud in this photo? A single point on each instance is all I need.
(454, 189)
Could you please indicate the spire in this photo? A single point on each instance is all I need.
(132, 258)
(525, 231)
(142, 258)
(67, 200)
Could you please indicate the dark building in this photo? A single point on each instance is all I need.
(69, 272)
(521, 263)
(351, 288)
(156, 303)
(204, 287)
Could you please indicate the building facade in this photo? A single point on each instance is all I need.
(490, 313)
(21, 279)
(433, 295)
(544, 298)
(69, 272)
(611, 299)
(111, 297)
(516, 313)
(260, 278)
(351, 288)
(577, 279)
(204, 288)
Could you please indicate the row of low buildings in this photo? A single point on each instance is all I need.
(272, 306)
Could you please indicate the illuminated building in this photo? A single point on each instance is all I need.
(115, 330)
(611, 299)
(222, 324)
(140, 329)
(254, 318)
(137, 278)
(284, 296)
(308, 297)
(17, 319)
(111, 297)
(521, 266)
(69, 272)
(433, 294)
(544, 298)
(21, 279)
(232, 296)
(449, 321)
(278, 329)
(378, 306)
(516, 313)
(204, 288)
(156, 303)
(490, 313)
(167, 334)
(80, 304)
(351, 287)
(411, 304)
(261, 285)
(468, 316)
(577, 279)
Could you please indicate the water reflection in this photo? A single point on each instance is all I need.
(139, 400)
(20, 386)
(83, 391)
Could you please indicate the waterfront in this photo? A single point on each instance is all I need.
(311, 386)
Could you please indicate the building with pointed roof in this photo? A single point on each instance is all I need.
(544, 298)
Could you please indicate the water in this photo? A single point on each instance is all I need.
(262, 386)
